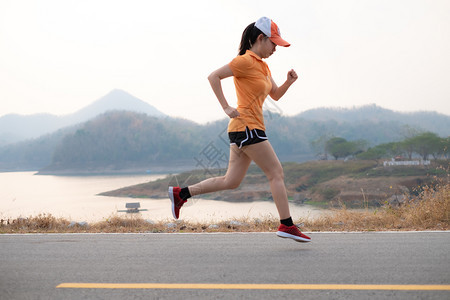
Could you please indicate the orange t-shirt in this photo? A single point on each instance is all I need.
(253, 84)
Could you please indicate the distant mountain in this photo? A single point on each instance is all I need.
(114, 100)
(426, 120)
(34, 154)
(15, 128)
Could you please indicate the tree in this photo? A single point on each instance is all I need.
(374, 153)
(339, 147)
(408, 147)
(426, 144)
(445, 149)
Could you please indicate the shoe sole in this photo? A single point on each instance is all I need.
(296, 238)
(173, 202)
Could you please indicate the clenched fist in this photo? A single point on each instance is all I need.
(292, 76)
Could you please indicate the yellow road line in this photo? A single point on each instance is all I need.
(214, 286)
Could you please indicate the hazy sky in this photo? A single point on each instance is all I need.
(58, 56)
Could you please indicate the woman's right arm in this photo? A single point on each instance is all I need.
(214, 79)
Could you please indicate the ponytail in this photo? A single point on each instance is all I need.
(249, 37)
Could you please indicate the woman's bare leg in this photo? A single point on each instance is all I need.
(264, 156)
(237, 168)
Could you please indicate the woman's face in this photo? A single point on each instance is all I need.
(267, 47)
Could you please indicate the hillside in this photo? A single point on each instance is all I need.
(15, 128)
(34, 154)
(128, 141)
(124, 141)
(324, 183)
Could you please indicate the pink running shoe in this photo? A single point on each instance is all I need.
(177, 202)
(292, 232)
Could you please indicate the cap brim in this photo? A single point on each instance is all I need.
(279, 41)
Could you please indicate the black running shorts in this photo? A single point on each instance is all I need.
(247, 137)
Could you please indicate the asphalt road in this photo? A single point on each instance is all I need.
(33, 266)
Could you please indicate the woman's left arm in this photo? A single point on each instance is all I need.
(278, 91)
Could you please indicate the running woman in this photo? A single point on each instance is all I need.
(246, 130)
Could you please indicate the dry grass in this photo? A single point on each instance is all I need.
(430, 210)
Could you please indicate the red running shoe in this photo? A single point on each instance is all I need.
(292, 232)
(177, 202)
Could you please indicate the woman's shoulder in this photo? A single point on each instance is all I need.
(243, 59)
(242, 62)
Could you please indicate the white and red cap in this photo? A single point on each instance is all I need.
(269, 28)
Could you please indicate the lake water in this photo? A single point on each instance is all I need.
(23, 194)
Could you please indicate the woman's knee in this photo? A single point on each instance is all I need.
(233, 184)
(275, 174)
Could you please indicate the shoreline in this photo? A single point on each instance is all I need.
(158, 210)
